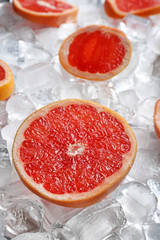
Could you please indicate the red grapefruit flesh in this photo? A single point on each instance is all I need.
(6, 81)
(73, 152)
(95, 53)
(157, 118)
(46, 12)
(120, 8)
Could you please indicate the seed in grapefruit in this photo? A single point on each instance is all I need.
(6, 81)
(120, 8)
(95, 52)
(156, 118)
(73, 152)
(46, 12)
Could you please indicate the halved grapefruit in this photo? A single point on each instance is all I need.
(156, 118)
(46, 12)
(73, 152)
(120, 8)
(95, 52)
(6, 81)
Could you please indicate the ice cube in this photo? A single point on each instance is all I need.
(113, 237)
(8, 17)
(11, 192)
(65, 30)
(137, 201)
(24, 33)
(152, 88)
(146, 108)
(129, 99)
(152, 231)
(71, 90)
(5, 167)
(146, 165)
(33, 236)
(1, 224)
(132, 232)
(142, 134)
(156, 67)
(8, 132)
(19, 107)
(88, 15)
(154, 39)
(135, 27)
(154, 185)
(48, 39)
(23, 216)
(54, 213)
(3, 114)
(98, 221)
(35, 76)
(61, 231)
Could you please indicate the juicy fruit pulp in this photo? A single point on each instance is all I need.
(133, 5)
(45, 5)
(2, 73)
(96, 52)
(72, 149)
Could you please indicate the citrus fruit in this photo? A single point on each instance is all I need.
(95, 52)
(73, 152)
(46, 12)
(157, 118)
(6, 81)
(120, 8)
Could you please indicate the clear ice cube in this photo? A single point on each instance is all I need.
(134, 232)
(48, 39)
(61, 231)
(5, 167)
(113, 237)
(137, 201)
(154, 39)
(33, 236)
(135, 27)
(156, 67)
(98, 221)
(16, 105)
(23, 216)
(24, 33)
(152, 231)
(129, 99)
(3, 114)
(142, 135)
(37, 75)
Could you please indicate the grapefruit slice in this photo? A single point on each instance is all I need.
(73, 152)
(156, 118)
(120, 8)
(95, 53)
(46, 12)
(6, 81)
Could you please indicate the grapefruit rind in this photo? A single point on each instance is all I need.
(7, 84)
(157, 118)
(47, 19)
(81, 199)
(64, 51)
(112, 10)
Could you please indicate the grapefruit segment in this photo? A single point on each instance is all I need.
(120, 8)
(95, 53)
(157, 118)
(6, 81)
(46, 12)
(73, 152)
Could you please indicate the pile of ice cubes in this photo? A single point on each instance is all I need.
(132, 212)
